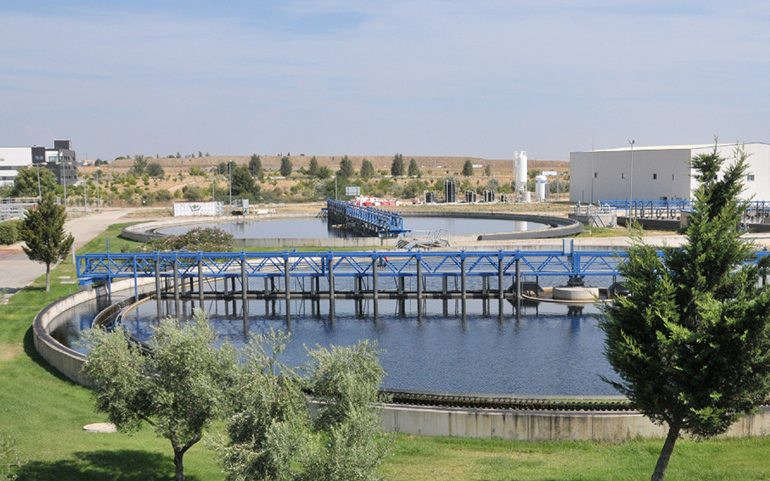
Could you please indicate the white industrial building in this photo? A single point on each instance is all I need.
(60, 160)
(658, 173)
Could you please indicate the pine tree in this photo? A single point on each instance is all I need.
(691, 343)
(286, 166)
(43, 233)
(397, 167)
(468, 168)
(25, 183)
(313, 168)
(255, 166)
(367, 169)
(346, 168)
(414, 170)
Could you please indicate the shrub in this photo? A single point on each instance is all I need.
(8, 231)
(206, 239)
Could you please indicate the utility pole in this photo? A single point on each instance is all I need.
(98, 197)
(63, 170)
(630, 206)
(39, 190)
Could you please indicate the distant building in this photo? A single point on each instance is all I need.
(60, 159)
(659, 173)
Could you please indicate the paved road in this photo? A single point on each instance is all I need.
(17, 271)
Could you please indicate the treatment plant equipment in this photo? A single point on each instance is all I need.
(366, 221)
(312, 276)
(520, 172)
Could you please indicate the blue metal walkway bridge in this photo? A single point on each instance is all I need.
(333, 275)
(365, 220)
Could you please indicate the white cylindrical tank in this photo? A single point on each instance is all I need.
(520, 171)
(540, 184)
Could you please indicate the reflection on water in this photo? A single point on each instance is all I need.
(313, 228)
(550, 350)
(545, 352)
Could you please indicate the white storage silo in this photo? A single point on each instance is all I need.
(541, 182)
(520, 171)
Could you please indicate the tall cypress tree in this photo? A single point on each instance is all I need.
(43, 233)
(691, 343)
(255, 166)
(346, 168)
(397, 167)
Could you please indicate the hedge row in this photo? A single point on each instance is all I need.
(9, 232)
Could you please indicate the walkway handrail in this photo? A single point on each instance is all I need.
(639, 204)
(384, 221)
(93, 267)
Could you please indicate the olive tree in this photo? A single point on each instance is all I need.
(178, 390)
(691, 343)
(271, 433)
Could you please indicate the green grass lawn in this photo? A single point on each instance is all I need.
(46, 413)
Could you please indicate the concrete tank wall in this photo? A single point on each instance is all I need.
(428, 421)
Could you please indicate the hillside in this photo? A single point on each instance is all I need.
(381, 162)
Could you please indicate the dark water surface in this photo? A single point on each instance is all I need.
(550, 350)
(546, 352)
(316, 227)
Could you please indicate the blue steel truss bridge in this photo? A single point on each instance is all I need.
(332, 275)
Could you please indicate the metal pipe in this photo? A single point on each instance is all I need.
(200, 281)
(419, 285)
(330, 266)
(157, 285)
(500, 282)
(518, 288)
(244, 291)
(463, 286)
(287, 282)
(176, 286)
(374, 285)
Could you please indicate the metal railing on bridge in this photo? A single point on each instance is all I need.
(380, 221)
(755, 209)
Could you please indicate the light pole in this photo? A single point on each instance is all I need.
(632, 142)
(98, 197)
(230, 175)
(39, 190)
(85, 195)
(593, 175)
(64, 179)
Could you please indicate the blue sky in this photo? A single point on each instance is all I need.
(336, 77)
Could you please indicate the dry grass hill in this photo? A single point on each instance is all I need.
(381, 162)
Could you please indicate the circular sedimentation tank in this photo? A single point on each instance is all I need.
(290, 231)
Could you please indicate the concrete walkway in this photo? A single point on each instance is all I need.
(17, 271)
